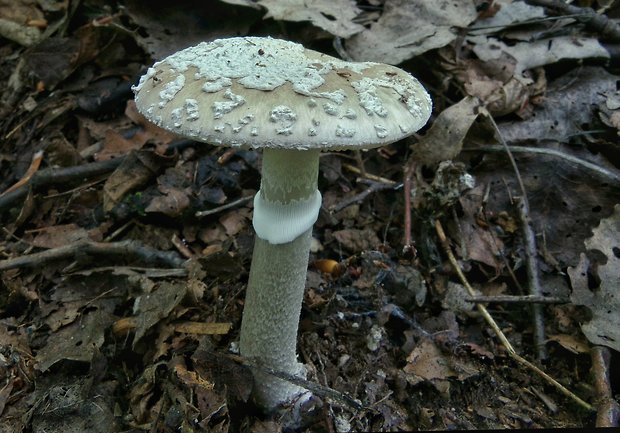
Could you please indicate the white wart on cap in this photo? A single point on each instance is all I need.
(263, 92)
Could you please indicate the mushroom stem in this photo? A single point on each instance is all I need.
(278, 272)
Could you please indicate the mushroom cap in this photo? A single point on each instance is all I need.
(261, 92)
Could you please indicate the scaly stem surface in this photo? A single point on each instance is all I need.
(277, 279)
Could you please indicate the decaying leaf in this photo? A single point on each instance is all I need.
(492, 81)
(481, 244)
(603, 301)
(137, 168)
(509, 13)
(76, 342)
(563, 209)
(72, 403)
(575, 344)
(356, 240)
(172, 26)
(532, 54)
(444, 140)
(58, 236)
(173, 203)
(427, 363)
(153, 307)
(235, 221)
(335, 16)
(455, 299)
(408, 28)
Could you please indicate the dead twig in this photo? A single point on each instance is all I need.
(124, 249)
(491, 322)
(596, 22)
(153, 273)
(34, 166)
(603, 172)
(238, 202)
(509, 299)
(531, 251)
(369, 176)
(407, 245)
(315, 388)
(533, 275)
(55, 176)
(373, 187)
(608, 413)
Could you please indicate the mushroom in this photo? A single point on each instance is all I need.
(292, 102)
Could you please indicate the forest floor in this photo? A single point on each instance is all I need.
(463, 278)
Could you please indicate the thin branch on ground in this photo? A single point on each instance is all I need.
(531, 251)
(407, 243)
(235, 203)
(491, 322)
(601, 171)
(597, 22)
(533, 275)
(510, 299)
(608, 414)
(373, 187)
(122, 250)
(360, 162)
(370, 176)
(181, 247)
(315, 388)
(55, 176)
(135, 270)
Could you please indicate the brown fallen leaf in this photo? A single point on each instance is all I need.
(58, 236)
(427, 363)
(135, 171)
(173, 203)
(571, 343)
(235, 221)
